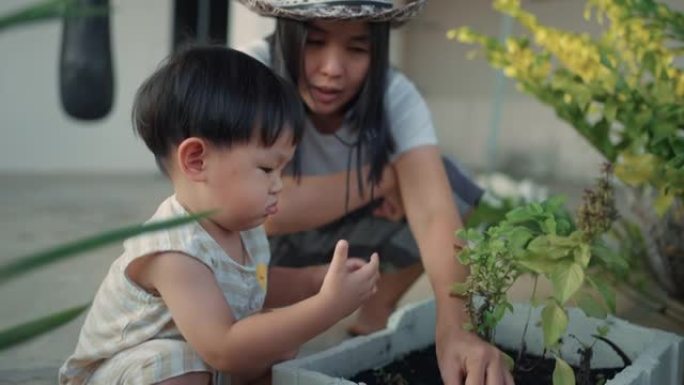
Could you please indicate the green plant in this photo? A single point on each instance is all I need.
(623, 90)
(47, 10)
(542, 239)
(22, 265)
(503, 194)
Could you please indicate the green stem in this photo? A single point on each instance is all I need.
(31, 262)
(20, 333)
(523, 346)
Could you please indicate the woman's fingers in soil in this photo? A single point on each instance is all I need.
(493, 376)
(455, 379)
(508, 377)
(476, 373)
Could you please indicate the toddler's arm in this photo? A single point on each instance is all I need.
(255, 343)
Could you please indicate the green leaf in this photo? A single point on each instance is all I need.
(663, 202)
(23, 332)
(610, 110)
(554, 323)
(606, 292)
(23, 265)
(602, 330)
(636, 170)
(519, 238)
(567, 278)
(460, 288)
(549, 226)
(537, 264)
(590, 306)
(613, 260)
(499, 312)
(544, 246)
(562, 373)
(519, 214)
(582, 255)
(474, 235)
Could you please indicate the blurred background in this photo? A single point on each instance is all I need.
(480, 120)
(62, 178)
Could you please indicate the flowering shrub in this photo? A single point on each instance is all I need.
(623, 91)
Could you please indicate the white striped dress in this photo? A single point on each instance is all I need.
(129, 336)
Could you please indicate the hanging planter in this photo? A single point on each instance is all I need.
(657, 357)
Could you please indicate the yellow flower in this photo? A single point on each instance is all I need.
(262, 275)
(510, 71)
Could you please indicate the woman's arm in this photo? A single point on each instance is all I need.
(433, 219)
(314, 201)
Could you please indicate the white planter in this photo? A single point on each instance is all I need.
(657, 356)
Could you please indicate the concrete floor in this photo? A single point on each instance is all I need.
(40, 211)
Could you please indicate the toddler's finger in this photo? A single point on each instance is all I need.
(339, 259)
(370, 269)
(375, 260)
(354, 264)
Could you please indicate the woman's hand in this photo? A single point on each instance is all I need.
(465, 359)
(391, 207)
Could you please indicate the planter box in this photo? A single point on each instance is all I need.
(657, 356)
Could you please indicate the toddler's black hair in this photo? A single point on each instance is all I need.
(218, 94)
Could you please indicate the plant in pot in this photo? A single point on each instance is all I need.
(541, 239)
(623, 91)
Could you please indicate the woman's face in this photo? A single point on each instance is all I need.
(336, 61)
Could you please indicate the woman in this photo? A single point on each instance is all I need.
(369, 135)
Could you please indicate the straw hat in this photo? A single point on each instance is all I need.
(362, 10)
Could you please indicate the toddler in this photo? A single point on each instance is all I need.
(183, 305)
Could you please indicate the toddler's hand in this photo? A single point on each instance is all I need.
(317, 273)
(349, 282)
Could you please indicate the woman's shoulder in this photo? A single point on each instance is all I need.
(258, 49)
(401, 92)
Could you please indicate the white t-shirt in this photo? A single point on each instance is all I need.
(409, 119)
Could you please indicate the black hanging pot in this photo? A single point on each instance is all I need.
(85, 67)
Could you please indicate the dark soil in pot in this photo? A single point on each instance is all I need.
(420, 368)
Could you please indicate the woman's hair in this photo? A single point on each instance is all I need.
(218, 94)
(368, 115)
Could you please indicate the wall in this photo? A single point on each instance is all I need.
(38, 137)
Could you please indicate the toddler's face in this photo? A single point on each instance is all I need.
(244, 181)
